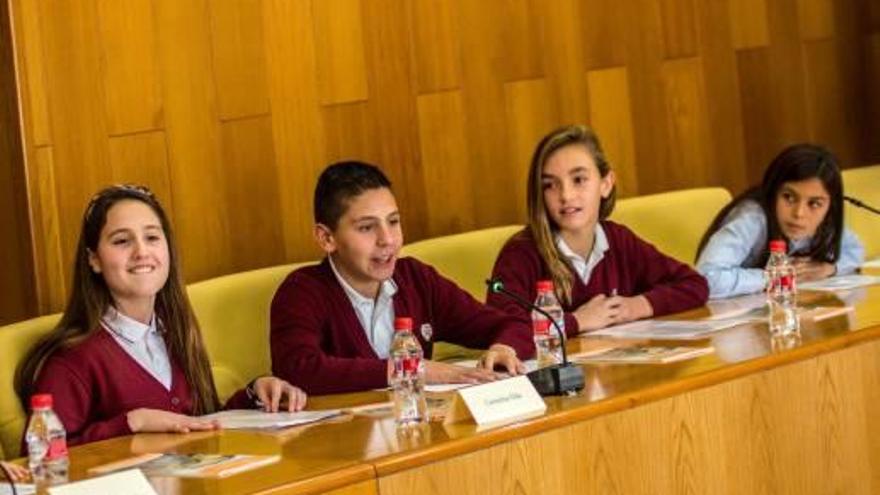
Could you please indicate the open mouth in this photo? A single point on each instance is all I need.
(142, 269)
(569, 210)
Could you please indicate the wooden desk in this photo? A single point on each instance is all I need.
(749, 418)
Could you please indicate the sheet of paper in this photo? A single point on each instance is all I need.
(670, 329)
(22, 488)
(844, 282)
(875, 263)
(131, 482)
(237, 419)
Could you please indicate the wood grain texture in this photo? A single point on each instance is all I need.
(800, 428)
(339, 42)
(133, 96)
(239, 58)
(696, 93)
(17, 285)
(611, 118)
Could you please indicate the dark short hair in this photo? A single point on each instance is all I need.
(341, 182)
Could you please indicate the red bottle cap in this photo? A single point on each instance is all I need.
(777, 246)
(402, 323)
(41, 401)
(544, 286)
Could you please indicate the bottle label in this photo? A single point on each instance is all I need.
(57, 449)
(409, 366)
(541, 327)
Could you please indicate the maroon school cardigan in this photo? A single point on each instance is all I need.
(630, 265)
(95, 383)
(319, 344)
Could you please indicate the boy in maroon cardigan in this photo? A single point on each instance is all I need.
(332, 323)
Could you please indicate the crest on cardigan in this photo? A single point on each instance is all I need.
(426, 331)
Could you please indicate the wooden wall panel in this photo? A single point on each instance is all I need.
(32, 71)
(16, 284)
(251, 179)
(297, 131)
(445, 159)
(565, 60)
(340, 52)
(611, 118)
(530, 113)
(51, 273)
(678, 21)
(748, 23)
(614, 25)
(390, 68)
(133, 95)
(239, 58)
(816, 19)
(143, 159)
(436, 46)
(221, 105)
(193, 136)
(78, 118)
(690, 142)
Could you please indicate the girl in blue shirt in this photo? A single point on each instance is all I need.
(800, 201)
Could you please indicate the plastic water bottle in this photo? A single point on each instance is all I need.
(548, 345)
(781, 292)
(408, 376)
(46, 443)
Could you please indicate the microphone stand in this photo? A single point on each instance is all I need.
(861, 204)
(557, 379)
(9, 477)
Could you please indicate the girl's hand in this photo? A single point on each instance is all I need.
(158, 421)
(602, 311)
(808, 270)
(437, 372)
(270, 390)
(18, 473)
(503, 356)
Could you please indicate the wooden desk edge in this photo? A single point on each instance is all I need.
(401, 461)
(324, 482)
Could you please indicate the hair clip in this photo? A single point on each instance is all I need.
(134, 188)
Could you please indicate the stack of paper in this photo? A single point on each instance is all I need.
(644, 354)
(237, 419)
(670, 329)
(844, 282)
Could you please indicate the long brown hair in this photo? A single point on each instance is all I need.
(541, 225)
(90, 298)
(793, 164)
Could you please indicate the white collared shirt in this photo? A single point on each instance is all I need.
(583, 267)
(376, 316)
(144, 343)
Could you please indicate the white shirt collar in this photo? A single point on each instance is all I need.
(387, 288)
(128, 328)
(584, 266)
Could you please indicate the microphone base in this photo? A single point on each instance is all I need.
(558, 379)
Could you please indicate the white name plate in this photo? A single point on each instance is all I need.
(496, 402)
(130, 482)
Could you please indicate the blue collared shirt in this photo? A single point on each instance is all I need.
(740, 243)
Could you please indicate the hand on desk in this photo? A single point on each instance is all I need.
(18, 473)
(437, 372)
(502, 356)
(157, 421)
(270, 390)
(809, 270)
(602, 311)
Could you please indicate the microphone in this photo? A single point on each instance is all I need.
(861, 204)
(558, 379)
